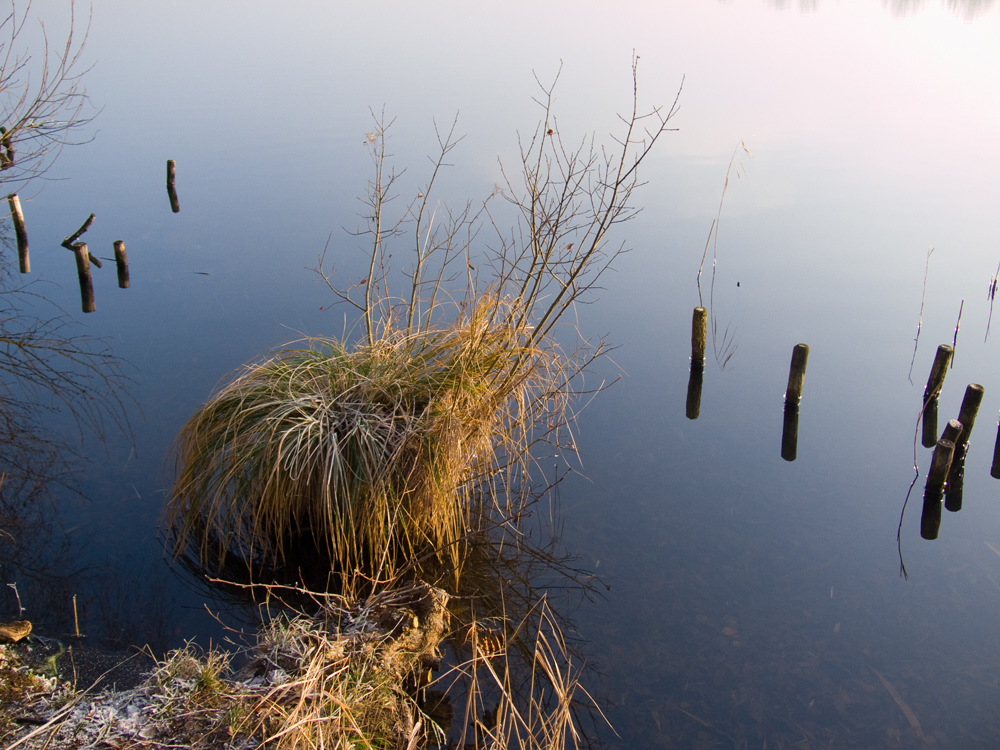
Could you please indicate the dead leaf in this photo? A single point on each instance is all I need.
(907, 711)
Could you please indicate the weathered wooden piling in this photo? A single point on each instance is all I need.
(83, 272)
(695, 381)
(175, 206)
(938, 370)
(956, 474)
(70, 243)
(17, 216)
(954, 488)
(928, 432)
(995, 468)
(955, 479)
(930, 517)
(790, 432)
(940, 464)
(930, 514)
(699, 334)
(121, 261)
(796, 374)
(952, 431)
(968, 411)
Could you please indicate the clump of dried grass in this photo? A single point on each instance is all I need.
(370, 452)
(377, 449)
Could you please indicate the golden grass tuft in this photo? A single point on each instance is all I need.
(395, 447)
(371, 452)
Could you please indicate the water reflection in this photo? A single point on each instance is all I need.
(731, 571)
(62, 392)
(968, 9)
(512, 640)
(790, 432)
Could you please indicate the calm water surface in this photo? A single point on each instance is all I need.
(748, 601)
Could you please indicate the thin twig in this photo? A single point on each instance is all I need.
(920, 318)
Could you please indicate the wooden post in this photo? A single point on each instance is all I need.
(954, 487)
(967, 413)
(175, 206)
(930, 517)
(695, 381)
(83, 271)
(940, 464)
(995, 468)
(68, 241)
(938, 370)
(796, 374)
(952, 431)
(699, 334)
(121, 260)
(928, 436)
(790, 432)
(956, 474)
(22, 234)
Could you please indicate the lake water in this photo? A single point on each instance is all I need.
(747, 600)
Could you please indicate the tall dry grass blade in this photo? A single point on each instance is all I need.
(991, 294)
(920, 317)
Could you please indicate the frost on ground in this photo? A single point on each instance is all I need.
(334, 678)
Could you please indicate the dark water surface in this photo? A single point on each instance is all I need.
(748, 601)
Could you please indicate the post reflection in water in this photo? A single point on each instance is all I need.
(699, 336)
(790, 432)
(695, 382)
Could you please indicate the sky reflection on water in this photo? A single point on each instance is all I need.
(751, 599)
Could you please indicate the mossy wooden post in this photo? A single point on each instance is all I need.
(699, 334)
(967, 412)
(796, 374)
(938, 370)
(952, 431)
(790, 432)
(944, 451)
(121, 261)
(175, 206)
(928, 432)
(930, 517)
(956, 474)
(954, 487)
(20, 231)
(793, 394)
(995, 468)
(83, 271)
(930, 514)
(68, 242)
(695, 382)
